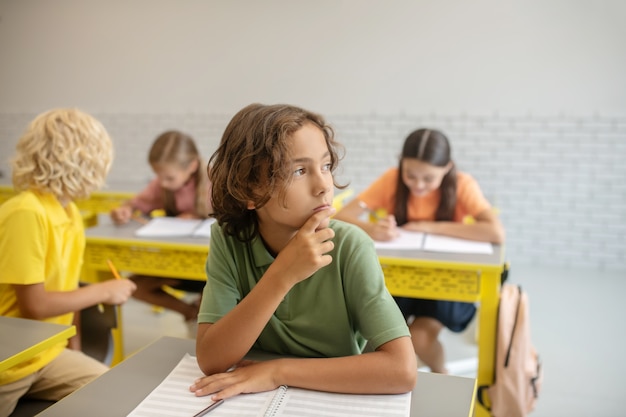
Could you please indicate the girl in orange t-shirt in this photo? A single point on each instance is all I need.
(425, 193)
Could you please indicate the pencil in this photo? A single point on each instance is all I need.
(139, 219)
(209, 408)
(375, 215)
(113, 269)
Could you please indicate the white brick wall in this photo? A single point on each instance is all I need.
(559, 180)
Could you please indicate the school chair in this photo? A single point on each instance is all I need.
(100, 335)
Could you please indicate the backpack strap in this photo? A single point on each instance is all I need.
(480, 396)
(505, 272)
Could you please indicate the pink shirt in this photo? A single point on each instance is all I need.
(152, 198)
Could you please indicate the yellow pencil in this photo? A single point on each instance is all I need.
(139, 218)
(374, 215)
(113, 269)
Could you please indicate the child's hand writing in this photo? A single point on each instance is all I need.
(308, 250)
(419, 226)
(117, 291)
(121, 214)
(384, 229)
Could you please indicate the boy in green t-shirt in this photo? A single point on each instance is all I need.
(284, 277)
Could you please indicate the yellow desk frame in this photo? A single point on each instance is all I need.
(183, 258)
(454, 281)
(29, 338)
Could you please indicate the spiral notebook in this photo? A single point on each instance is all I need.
(173, 399)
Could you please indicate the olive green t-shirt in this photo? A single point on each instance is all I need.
(333, 313)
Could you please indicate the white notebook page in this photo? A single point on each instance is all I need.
(173, 399)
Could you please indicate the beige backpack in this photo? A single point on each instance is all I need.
(518, 372)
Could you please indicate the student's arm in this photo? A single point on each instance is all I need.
(36, 303)
(486, 228)
(149, 199)
(391, 369)
(224, 343)
(384, 229)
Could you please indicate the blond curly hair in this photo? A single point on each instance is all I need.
(65, 152)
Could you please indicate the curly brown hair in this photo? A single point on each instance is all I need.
(253, 162)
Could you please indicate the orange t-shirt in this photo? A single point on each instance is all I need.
(470, 200)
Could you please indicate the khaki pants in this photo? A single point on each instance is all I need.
(65, 374)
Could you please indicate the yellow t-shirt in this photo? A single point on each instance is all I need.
(40, 241)
(381, 194)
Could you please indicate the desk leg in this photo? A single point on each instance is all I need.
(118, 339)
(488, 314)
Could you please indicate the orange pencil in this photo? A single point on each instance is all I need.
(139, 219)
(113, 269)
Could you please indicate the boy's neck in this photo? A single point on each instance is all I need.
(273, 240)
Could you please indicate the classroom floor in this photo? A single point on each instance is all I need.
(578, 326)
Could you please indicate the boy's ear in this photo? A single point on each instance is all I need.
(449, 166)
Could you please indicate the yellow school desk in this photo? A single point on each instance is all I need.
(174, 257)
(454, 277)
(23, 338)
(410, 273)
(120, 390)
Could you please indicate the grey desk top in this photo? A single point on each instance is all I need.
(120, 390)
(23, 338)
(106, 229)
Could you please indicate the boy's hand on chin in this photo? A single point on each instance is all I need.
(308, 250)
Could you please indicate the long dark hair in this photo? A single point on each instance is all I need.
(432, 147)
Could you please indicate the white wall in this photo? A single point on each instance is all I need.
(348, 56)
(531, 93)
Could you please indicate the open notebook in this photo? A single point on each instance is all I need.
(172, 399)
(435, 243)
(175, 227)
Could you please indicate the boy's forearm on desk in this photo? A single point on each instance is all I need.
(391, 371)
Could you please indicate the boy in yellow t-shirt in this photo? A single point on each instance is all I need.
(65, 154)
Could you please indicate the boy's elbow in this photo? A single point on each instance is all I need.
(405, 368)
(406, 378)
(208, 365)
(206, 368)
(33, 311)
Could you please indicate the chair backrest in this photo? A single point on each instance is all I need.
(96, 331)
